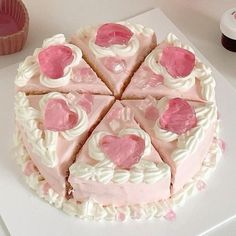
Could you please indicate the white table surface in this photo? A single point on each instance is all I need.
(198, 20)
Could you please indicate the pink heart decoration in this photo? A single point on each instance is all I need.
(178, 62)
(111, 33)
(58, 116)
(124, 151)
(179, 117)
(54, 59)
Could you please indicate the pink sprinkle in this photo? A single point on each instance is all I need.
(45, 187)
(151, 113)
(85, 74)
(121, 216)
(29, 168)
(113, 64)
(114, 114)
(222, 144)
(155, 80)
(170, 215)
(201, 185)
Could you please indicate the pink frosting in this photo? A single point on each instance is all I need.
(114, 64)
(112, 33)
(29, 168)
(54, 59)
(179, 117)
(178, 62)
(124, 151)
(151, 113)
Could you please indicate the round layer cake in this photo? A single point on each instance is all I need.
(111, 125)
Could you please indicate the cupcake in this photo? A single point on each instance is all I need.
(14, 25)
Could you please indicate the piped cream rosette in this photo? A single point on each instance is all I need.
(30, 66)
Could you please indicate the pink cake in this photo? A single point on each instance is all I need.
(115, 50)
(97, 157)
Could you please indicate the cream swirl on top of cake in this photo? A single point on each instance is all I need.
(31, 66)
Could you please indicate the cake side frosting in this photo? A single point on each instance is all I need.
(91, 210)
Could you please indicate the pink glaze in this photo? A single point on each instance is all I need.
(142, 84)
(8, 25)
(151, 113)
(112, 33)
(124, 151)
(201, 185)
(58, 116)
(170, 215)
(114, 64)
(178, 62)
(65, 149)
(179, 116)
(83, 80)
(182, 172)
(112, 193)
(29, 168)
(115, 81)
(54, 59)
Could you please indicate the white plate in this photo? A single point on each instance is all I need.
(25, 214)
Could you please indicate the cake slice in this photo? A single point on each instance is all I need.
(172, 69)
(118, 164)
(54, 127)
(58, 66)
(115, 50)
(181, 131)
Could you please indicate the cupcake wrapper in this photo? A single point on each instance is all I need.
(14, 42)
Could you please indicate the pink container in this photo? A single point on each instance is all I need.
(14, 26)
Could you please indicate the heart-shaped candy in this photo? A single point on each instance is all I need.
(58, 116)
(179, 117)
(111, 33)
(54, 59)
(178, 62)
(124, 151)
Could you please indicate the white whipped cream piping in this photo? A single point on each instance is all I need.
(200, 71)
(27, 118)
(91, 210)
(148, 173)
(30, 66)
